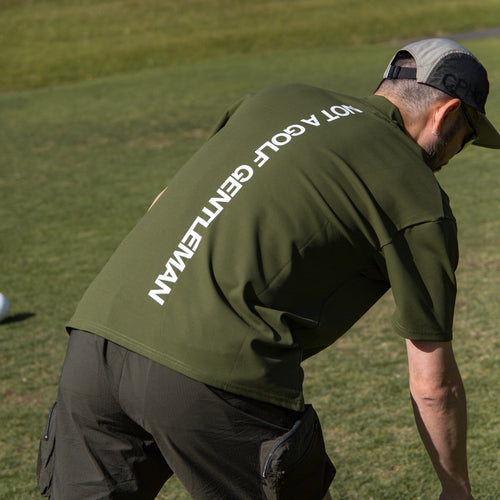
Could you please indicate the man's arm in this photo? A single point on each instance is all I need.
(439, 405)
(156, 199)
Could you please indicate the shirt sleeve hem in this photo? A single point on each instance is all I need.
(425, 335)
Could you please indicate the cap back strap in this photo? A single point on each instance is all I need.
(400, 73)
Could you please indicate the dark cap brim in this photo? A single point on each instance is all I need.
(488, 136)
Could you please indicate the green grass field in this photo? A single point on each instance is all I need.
(101, 103)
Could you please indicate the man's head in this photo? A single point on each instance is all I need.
(441, 90)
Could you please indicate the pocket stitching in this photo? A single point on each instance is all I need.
(287, 436)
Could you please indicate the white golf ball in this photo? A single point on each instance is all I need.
(4, 307)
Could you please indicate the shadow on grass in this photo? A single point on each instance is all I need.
(16, 318)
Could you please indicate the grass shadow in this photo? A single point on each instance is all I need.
(16, 318)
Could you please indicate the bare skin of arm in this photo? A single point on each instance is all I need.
(439, 406)
(157, 198)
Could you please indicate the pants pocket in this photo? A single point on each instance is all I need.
(45, 463)
(295, 466)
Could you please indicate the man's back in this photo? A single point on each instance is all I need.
(270, 242)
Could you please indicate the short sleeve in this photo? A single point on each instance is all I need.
(421, 263)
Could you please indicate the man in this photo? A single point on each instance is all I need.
(299, 213)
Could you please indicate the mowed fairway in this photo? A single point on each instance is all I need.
(84, 152)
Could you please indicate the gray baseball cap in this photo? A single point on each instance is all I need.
(450, 67)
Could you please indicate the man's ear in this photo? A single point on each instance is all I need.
(442, 111)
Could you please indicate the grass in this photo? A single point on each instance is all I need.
(81, 161)
(109, 36)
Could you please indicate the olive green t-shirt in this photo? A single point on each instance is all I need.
(289, 223)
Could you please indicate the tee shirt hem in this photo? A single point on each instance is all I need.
(291, 402)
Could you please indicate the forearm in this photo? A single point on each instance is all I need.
(441, 418)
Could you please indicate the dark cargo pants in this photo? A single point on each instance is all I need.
(124, 424)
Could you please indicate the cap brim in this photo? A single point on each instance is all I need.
(488, 136)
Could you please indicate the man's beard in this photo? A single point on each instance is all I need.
(434, 154)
